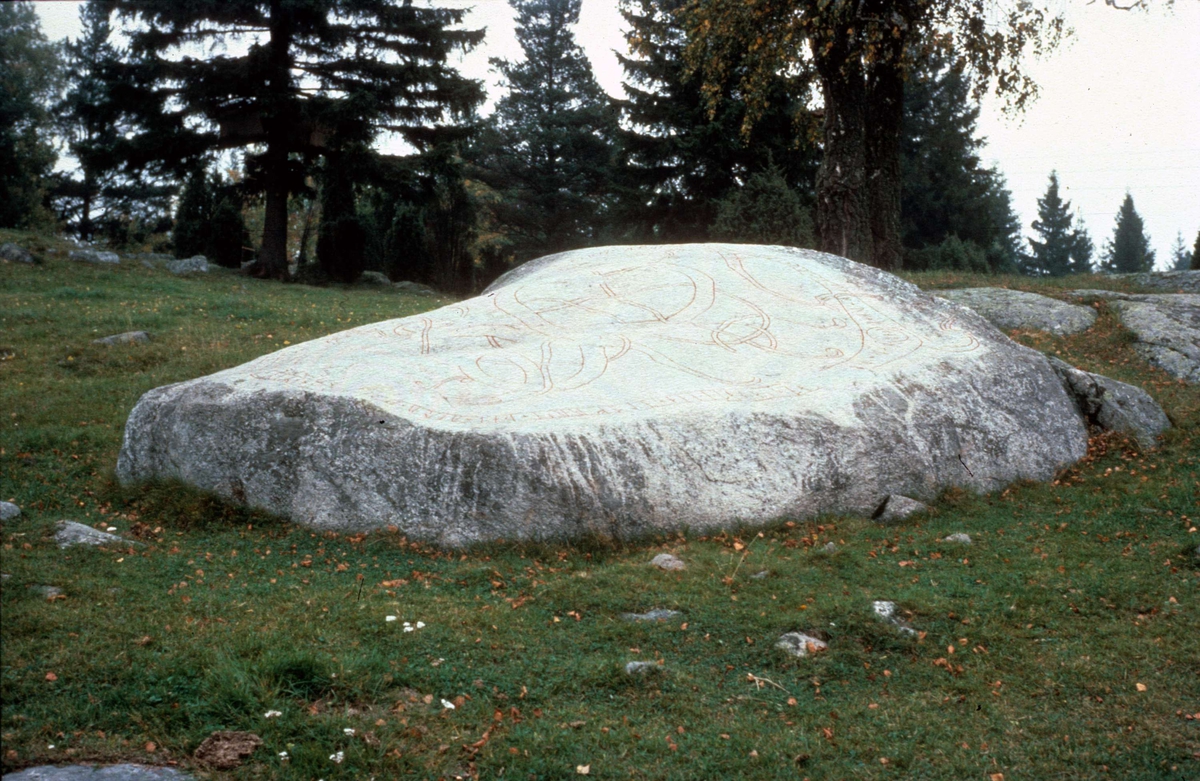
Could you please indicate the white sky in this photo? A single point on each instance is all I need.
(1119, 108)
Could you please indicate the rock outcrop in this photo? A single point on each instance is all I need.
(1009, 309)
(14, 253)
(196, 264)
(1112, 405)
(1167, 329)
(619, 391)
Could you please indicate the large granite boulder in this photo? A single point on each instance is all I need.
(1009, 309)
(14, 253)
(1167, 328)
(620, 390)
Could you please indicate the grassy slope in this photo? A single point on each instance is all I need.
(1071, 596)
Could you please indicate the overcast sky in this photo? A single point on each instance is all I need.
(1119, 108)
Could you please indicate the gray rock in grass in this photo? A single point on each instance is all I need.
(72, 533)
(896, 508)
(46, 592)
(1009, 309)
(829, 547)
(668, 562)
(8, 511)
(94, 256)
(1167, 330)
(621, 391)
(658, 614)
(958, 537)
(800, 644)
(761, 575)
(1112, 405)
(196, 264)
(887, 611)
(415, 288)
(15, 254)
(374, 278)
(129, 337)
(641, 668)
(125, 772)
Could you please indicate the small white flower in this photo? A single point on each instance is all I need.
(50, 746)
(349, 731)
(420, 625)
(447, 705)
(337, 758)
(112, 528)
(390, 618)
(272, 714)
(283, 755)
(407, 628)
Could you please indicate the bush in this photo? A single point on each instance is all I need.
(953, 254)
(764, 211)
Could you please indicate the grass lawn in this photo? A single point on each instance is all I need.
(1063, 643)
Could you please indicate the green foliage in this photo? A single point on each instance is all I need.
(1062, 249)
(1128, 251)
(764, 211)
(952, 254)
(30, 80)
(209, 221)
(678, 156)
(341, 239)
(946, 190)
(1196, 253)
(547, 149)
(1064, 600)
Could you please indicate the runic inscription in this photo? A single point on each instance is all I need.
(626, 329)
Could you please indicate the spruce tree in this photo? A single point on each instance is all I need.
(947, 191)
(1062, 249)
(314, 78)
(765, 211)
(1196, 253)
(547, 149)
(30, 80)
(1128, 251)
(189, 236)
(1181, 258)
(679, 159)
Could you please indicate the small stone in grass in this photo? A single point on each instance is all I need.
(225, 750)
(760, 575)
(887, 611)
(641, 668)
(896, 507)
(668, 562)
(129, 337)
(657, 614)
(72, 533)
(800, 644)
(47, 592)
(959, 537)
(8, 511)
(829, 547)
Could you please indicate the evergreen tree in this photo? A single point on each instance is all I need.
(1128, 251)
(946, 189)
(189, 236)
(1062, 249)
(208, 220)
(765, 211)
(547, 150)
(30, 80)
(1181, 258)
(318, 77)
(341, 239)
(1196, 253)
(678, 159)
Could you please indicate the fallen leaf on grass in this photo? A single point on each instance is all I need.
(52, 677)
(583, 770)
(1141, 687)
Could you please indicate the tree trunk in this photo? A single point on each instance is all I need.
(272, 257)
(885, 110)
(843, 208)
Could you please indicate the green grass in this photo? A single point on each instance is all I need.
(1072, 595)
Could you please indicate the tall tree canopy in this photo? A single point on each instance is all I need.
(1061, 248)
(946, 190)
(30, 79)
(1128, 251)
(291, 81)
(861, 52)
(678, 160)
(547, 149)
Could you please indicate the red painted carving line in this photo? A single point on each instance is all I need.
(427, 326)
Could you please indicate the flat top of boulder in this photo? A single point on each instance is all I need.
(1019, 309)
(603, 332)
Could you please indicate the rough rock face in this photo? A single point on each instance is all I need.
(1172, 281)
(1168, 331)
(1009, 309)
(125, 772)
(193, 265)
(1113, 405)
(14, 253)
(94, 256)
(618, 391)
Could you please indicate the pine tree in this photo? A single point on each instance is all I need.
(1181, 258)
(946, 189)
(1062, 249)
(318, 77)
(1128, 251)
(30, 80)
(547, 149)
(677, 159)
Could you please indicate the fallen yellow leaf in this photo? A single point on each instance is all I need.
(1141, 687)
